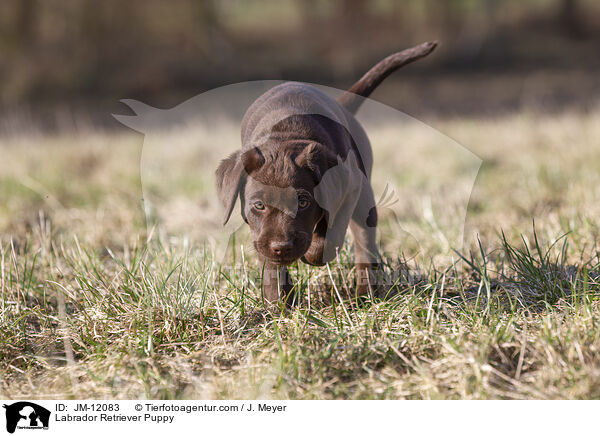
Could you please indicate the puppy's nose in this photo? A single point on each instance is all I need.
(281, 247)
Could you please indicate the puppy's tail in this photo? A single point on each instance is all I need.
(366, 85)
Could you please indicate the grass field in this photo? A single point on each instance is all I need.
(95, 306)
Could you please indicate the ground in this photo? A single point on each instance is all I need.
(95, 305)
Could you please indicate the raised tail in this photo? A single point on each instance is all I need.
(352, 100)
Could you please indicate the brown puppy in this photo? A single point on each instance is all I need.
(302, 177)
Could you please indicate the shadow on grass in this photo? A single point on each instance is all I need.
(526, 276)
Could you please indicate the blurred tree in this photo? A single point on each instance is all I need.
(570, 17)
(216, 44)
(87, 48)
(25, 23)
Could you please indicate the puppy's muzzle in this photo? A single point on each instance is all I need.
(283, 251)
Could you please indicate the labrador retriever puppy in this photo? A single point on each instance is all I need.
(302, 177)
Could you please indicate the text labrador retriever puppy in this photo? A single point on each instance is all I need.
(302, 177)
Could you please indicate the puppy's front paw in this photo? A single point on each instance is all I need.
(277, 285)
(368, 278)
(313, 258)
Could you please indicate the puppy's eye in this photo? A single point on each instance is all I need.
(258, 205)
(303, 203)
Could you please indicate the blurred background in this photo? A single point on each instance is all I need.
(74, 59)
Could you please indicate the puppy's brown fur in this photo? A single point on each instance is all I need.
(302, 177)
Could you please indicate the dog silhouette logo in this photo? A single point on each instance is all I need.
(426, 192)
(26, 415)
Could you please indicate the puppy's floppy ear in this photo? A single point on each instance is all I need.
(316, 158)
(232, 173)
(338, 193)
(229, 180)
(252, 159)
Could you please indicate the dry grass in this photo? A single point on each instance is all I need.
(94, 306)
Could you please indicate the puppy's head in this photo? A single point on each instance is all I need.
(276, 185)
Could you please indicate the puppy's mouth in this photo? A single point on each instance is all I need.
(282, 261)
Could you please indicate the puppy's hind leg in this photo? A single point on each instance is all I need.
(364, 232)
